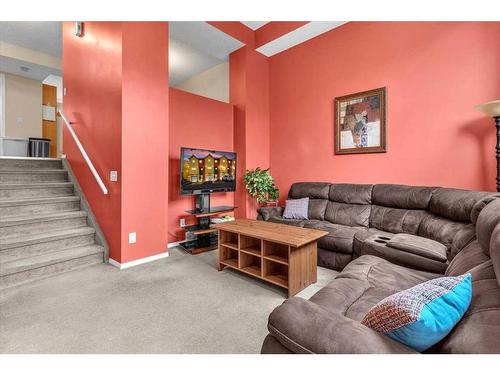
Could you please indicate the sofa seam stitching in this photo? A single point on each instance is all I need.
(285, 338)
(361, 295)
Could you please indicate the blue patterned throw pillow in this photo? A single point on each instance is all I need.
(296, 208)
(421, 316)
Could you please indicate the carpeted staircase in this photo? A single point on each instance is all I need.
(43, 230)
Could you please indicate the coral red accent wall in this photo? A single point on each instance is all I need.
(274, 30)
(434, 73)
(249, 92)
(237, 30)
(92, 77)
(117, 98)
(199, 122)
(145, 134)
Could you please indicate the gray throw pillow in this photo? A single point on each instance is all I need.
(296, 209)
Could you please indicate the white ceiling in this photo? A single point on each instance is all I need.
(195, 47)
(184, 62)
(35, 71)
(298, 36)
(43, 37)
(254, 25)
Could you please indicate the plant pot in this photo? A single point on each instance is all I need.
(269, 204)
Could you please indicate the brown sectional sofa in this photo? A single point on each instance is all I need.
(453, 232)
(355, 215)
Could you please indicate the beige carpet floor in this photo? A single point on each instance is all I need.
(180, 304)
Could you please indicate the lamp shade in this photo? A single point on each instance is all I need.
(491, 108)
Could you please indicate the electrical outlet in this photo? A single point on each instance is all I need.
(113, 176)
(132, 237)
(182, 222)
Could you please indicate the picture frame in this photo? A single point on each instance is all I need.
(360, 122)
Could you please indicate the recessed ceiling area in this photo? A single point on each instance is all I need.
(298, 36)
(195, 47)
(45, 37)
(186, 62)
(254, 25)
(26, 69)
(34, 49)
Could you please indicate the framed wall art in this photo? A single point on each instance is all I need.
(360, 122)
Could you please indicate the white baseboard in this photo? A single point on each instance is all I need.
(174, 244)
(136, 262)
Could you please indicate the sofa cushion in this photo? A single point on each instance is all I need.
(333, 260)
(423, 315)
(338, 239)
(487, 221)
(478, 207)
(363, 283)
(351, 193)
(402, 196)
(455, 204)
(461, 239)
(281, 220)
(317, 208)
(396, 220)
(296, 209)
(375, 245)
(440, 229)
(488, 233)
(304, 327)
(313, 190)
(471, 256)
(268, 212)
(419, 246)
(348, 214)
(479, 329)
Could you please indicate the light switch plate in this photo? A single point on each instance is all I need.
(132, 237)
(113, 176)
(182, 222)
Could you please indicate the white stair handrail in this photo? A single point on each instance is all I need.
(84, 154)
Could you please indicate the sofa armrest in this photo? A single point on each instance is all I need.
(304, 327)
(269, 212)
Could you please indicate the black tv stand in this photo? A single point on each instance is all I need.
(202, 202)
(200, 237)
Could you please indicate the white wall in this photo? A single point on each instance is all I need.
(23, 107)
(212, 83)
(2, 105)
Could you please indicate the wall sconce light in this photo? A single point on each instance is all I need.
(79, 29)
(493, 109)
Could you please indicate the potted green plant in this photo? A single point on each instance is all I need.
(260, 185)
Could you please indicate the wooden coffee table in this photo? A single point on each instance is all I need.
(281, 254)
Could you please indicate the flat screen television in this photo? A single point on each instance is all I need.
(207, 171)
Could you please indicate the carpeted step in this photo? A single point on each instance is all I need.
(24, 175)
(30, 163)
(25, 270)
(36, 190)
(16, 207)
(27, 225)
(43, 230)
(20, 247)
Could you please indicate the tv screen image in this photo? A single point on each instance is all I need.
(206, 171)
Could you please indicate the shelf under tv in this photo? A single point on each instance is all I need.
(212, 211)
(205, 238)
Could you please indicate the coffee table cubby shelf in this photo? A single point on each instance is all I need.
(290, 267)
